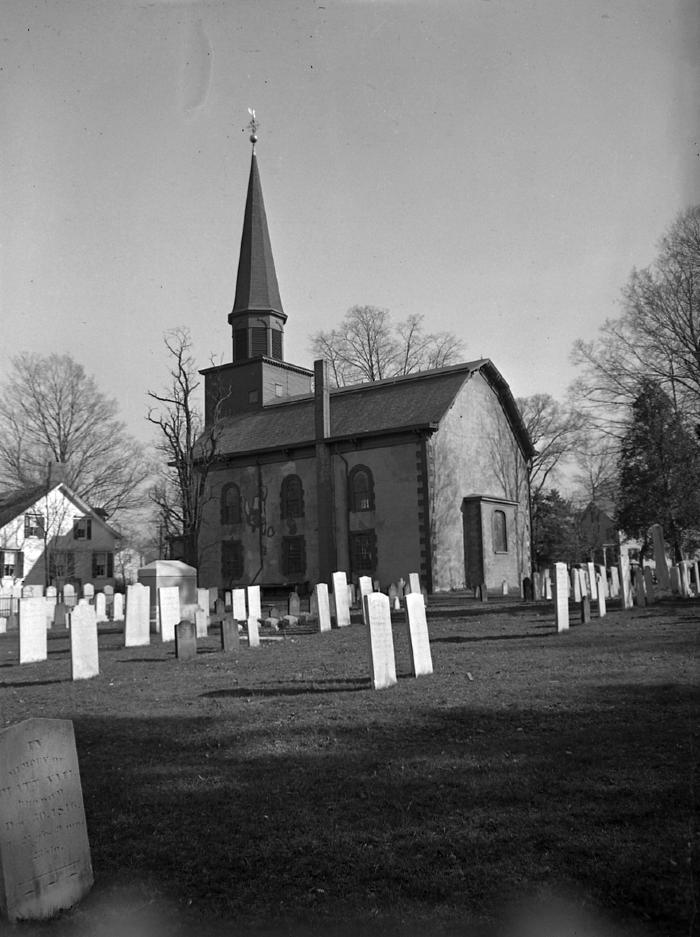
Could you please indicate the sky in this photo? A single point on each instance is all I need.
(497, 166)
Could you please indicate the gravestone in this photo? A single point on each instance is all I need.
(253, 595)
(84, 655)
(227, 600)
(639, 591)
(201, 623)
(230, 639)
(602, 581)
(169, 611)
(60, 615)
(253, 632)
(675, 580)
(662, 576)
(576, 584)
(504, 587)
(592, 585)
(625, 581)
(602, 609)
(3, 624)
(561, 596)
(482, 592)
(381, 640)
(585, 609)
(352, 595)
(414, 583)
(685, 578)
(340, 595)
(137, 626)
(365, 584)
(536, 586)
(88, 590)
(109, 597)
(32, 630)
(393, 594)
(323, 606)
(100, 607)
(44, 849)
(69, 594)
(419, 641)
(614, 582)
(219, 608)
(294, 604)
(547, 582)
(649, 584)
(203, 599)
(213, 596)
(696, 576)
(376, 587)
(51, 599)
(185, 640)
(118, 606)
(238, 605)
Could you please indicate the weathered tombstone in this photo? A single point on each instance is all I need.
(185, 640)
(69, 594)
(561, 596)
(227, 600)
(352, 595)
(482, 592)
(84, 655)
(504, 587)
(592, 586)
(169, 610)
(414, 583)
(662, 576)
(536, 586)
(381, 640)
(419, 641)
(294, 604)
(118, 606)
(649, 584)
(203, 599)
(254, 615)
(213, 596)
(365, 584)
(230, 639)
(201, 623)
(614, 582)
(527, 590)
(548, 587)
(576, 584)
(137, 625)
(88, 590)
(51, 598)
(625, 581)
(44, 849)
(393, 594)
(602, 581)
(60, 615)
(220, 608)
(685, 578)
(100, 607)
(340, 594)
(238, 605)
(376, 586)
(585, 609)
(323, 606)
(32, 630)
(602, 578)
(675, 580)
(639, 592)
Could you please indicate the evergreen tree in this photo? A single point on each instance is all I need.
(659, 472)
(555, 530)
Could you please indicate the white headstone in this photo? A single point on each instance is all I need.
(238, 603)
(547, 583)
(253, 631)
(602, 580)
(137, 625)
(414, 582)
(32, 630)
(340, 594)
(100, 607)
(84, 656)
(365, 584)
(69, 594)
(614, 582)
(419, 641)
(576, 584)
(88, 590)
(662, 576)
(201, 621)
(323, 606)
(602, 609)
(118, 606)
(592, 586)
(625, 581)
(169, 611)
(254, 615)
(381, 640)
(685, 579)
(561, 596)
(203, 599)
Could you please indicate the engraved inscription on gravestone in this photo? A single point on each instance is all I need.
(44, 850)
(381, 640)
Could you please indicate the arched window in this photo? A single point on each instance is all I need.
(500, 532)
(292, 497)
(361, 489)
(230, 504)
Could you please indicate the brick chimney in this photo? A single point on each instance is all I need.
(56, 474)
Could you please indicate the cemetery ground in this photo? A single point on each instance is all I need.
(536, 783)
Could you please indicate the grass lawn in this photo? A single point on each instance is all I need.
(536, 783)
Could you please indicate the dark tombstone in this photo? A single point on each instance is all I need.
(528, 593)
(45, 862)
(294, 604)
(230, 640)
(585, 609)
(483, 593)
(185, 640)
(219, 608)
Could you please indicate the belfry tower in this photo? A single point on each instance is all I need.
(258, 373)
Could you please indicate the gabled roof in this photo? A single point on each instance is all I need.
(256, 283)
(14, 503)
(415, 401)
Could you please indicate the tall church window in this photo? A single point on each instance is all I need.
(361, 489)
(500, 532)
(230, 504)
(363, 552)
(292, 496)
(293, 556)
(232, 561)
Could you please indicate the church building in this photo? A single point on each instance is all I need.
(425, 473)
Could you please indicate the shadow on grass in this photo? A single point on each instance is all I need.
(310, 688)
(477, 639)
(26, 683)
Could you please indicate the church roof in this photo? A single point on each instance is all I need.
(414, 401)
(256, 283)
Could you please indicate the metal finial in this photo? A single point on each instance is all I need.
(253, 127)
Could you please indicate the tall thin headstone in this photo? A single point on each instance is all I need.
(419, 640)
(201, 623)
(254, 615)
(238, 605)
(662, 576)
(602, 581)
(414, 583)
(592, 584)
(84, 655)
(32, 630)
(685, 578)
(100, 607)
(44, 850)
(118, 606)
(51, 599)
(561, 596)
(602, 608)
(323, 605)
(381, 640)
(230, 638)
(340, 594)
(185, 640)
(576, 584)
(203, 599)
(625, 581)
(137, 630)
(365, 584)
(649, 584)
(614, 582)
(169, 611)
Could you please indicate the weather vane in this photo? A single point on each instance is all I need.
(253, 127)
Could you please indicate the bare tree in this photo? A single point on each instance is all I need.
(369, 346)
(188, 446)
(656, 338)
(555, 431)
(52, 411)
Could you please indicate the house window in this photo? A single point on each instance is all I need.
(11, 563)
(82, 528)
(34, 525)
(292, 496)
(102, 565)
(500, 533)
(230, 504)
(293, 556)
(361, 489)
(61, 564)
(363, 552)
(232, 560)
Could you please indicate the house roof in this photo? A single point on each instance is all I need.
(14, 503)
(415, 401)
